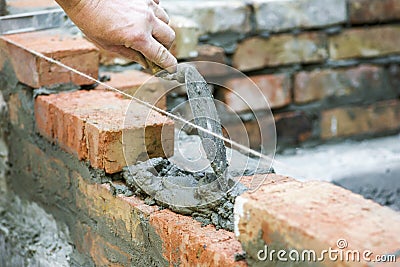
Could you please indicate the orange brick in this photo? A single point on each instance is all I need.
(257, 53)
(183, 239)
(186, 243)
(313, 216)
(365, 42)
(244, 94)
(73, 51)
(367, 11)
(140, 85)
(90, 125)
(379, 117)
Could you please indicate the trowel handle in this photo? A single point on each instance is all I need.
(153, 67)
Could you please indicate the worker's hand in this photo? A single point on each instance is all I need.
(133, 28)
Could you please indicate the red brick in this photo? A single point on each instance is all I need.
(184, 240)
(253, 132)
(256, 53)
(186, 243)
(213, 54)
(140, 85)
(210, 53)
(369, 11)
(347, 121)
(313, 216)
(73, 51)
(90, 125)
(362, 83)
(108, 58)
(365, 42)
(245, 94)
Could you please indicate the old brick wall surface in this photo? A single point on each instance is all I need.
(307, 57)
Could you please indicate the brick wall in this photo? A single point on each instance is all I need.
(64, 135)
(317, 62)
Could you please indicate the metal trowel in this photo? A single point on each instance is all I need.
(204, 112)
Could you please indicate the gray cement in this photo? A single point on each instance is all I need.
(169, 186)
(31, 237)
(370, 167)
(3, 147)
(191, 190)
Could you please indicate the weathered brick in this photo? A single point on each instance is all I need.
(277, 16)
(183, 240)
(138, 84)
(213, 16)
(253, 132)
(363, 83)
(214, 54)
(290, 215)
(90, 125)
(292, 127)
(102, 252)
(121, 214)
(108, 58)
(243, 94)
(186, 243)
(347, 121)
(369, 11)
(256, 53)
(186, 37)
(210, 53)
(73, 51)
(365, 42)
(20, 108)
(394, 77)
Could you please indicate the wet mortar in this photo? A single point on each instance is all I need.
(161, 182)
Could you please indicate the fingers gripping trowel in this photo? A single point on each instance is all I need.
(205, 115)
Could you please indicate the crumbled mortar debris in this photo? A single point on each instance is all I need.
(31, 237)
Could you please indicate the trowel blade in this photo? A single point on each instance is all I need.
(205, 115)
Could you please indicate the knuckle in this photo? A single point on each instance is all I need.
(162, 55)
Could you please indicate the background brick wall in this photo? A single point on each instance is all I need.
(319, 59)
